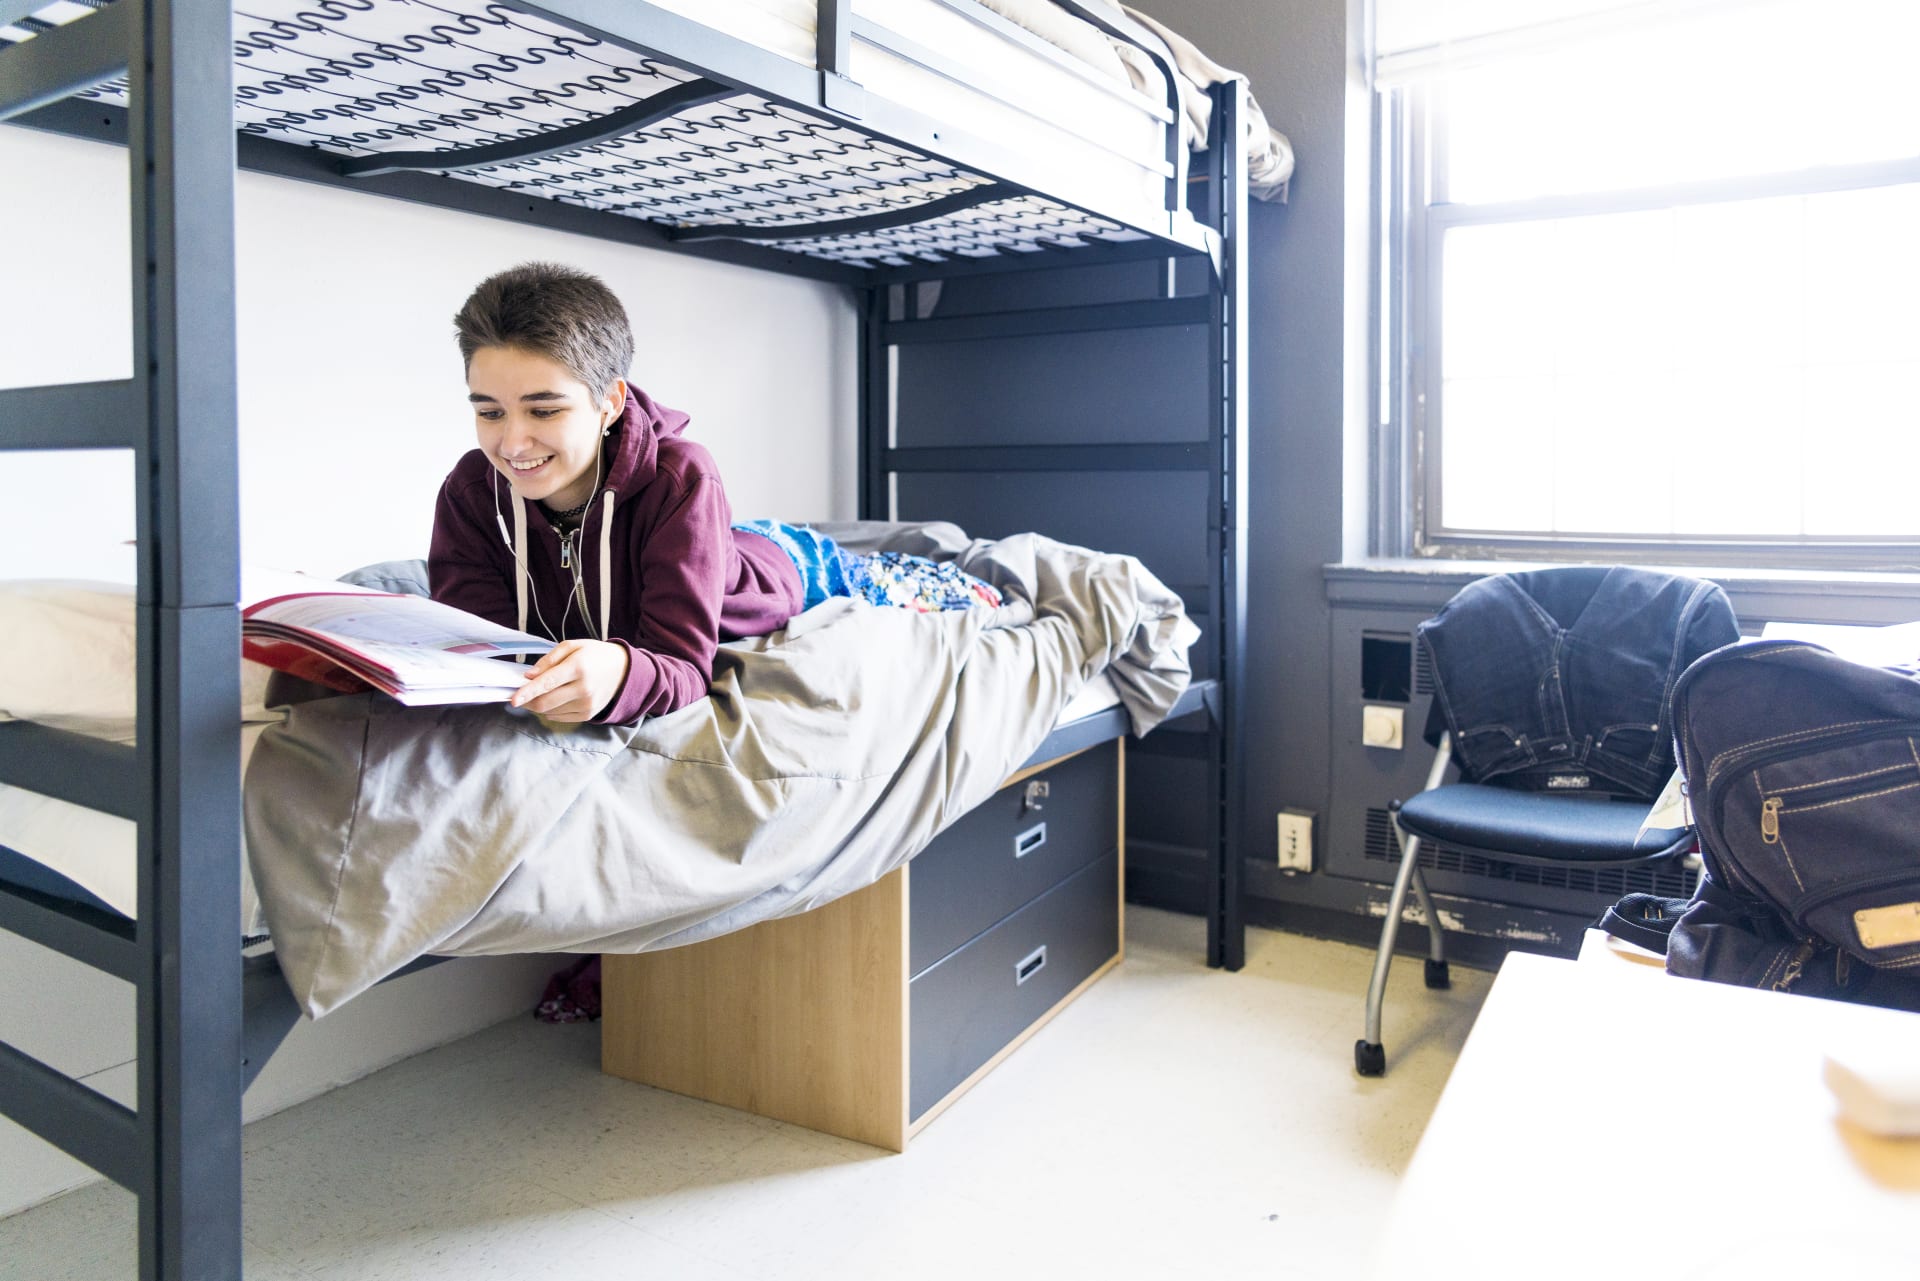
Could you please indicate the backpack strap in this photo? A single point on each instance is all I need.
(1645, 920)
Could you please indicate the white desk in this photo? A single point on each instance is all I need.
(1606, 1120)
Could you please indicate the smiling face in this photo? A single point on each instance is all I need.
(539, 424)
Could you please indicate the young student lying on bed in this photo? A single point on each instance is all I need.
(587, 516)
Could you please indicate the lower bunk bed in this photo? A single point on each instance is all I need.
(746, 858)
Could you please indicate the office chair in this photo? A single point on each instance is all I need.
(1552, 691)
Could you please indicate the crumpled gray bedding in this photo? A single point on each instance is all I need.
(827, 755)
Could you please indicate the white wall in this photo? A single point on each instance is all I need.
(352, 401)
(352, 408)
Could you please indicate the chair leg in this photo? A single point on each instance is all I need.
(1437, 975)
(1369, 1055)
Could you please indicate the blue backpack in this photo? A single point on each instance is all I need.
(1803, 770)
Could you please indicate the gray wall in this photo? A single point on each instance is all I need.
(1295, 54)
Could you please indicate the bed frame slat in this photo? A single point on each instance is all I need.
(1191, 456)
(1056, 320)
(907, 215)
(552, 142)
(64, 60)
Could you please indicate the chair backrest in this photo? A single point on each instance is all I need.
(1562, 679)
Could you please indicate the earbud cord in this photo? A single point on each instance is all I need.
(523, 577)
(577, 540)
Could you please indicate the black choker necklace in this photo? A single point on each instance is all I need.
(571, 512)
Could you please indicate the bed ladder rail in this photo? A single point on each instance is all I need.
(99, 415)
(99, 939)
(178, 1148)
(73, 767)
(81, 1122)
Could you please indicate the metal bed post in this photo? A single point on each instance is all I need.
(1226, 212)
(178, 1151)
(181, 161)
(876, 386)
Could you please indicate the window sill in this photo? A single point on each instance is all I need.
(1758, 594)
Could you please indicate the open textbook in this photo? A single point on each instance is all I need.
(347, 638)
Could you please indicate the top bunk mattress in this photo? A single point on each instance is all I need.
(366, 79)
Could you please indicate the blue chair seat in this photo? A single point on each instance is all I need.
(1543, 827)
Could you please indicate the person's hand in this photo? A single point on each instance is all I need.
(573, 680)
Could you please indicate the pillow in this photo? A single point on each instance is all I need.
(401, 577)
(71, 649)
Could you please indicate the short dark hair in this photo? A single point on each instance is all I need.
(559, 312)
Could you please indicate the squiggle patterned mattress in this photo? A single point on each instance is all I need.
(359, 77)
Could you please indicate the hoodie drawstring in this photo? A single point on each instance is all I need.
(520, 575)
(606, 568)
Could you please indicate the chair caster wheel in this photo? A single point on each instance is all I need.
(1369, 1059)
(1437, 976)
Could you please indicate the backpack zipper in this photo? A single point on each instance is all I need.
(1753, 757)
(1741, 762)
(1866, 884)
(1795, 964)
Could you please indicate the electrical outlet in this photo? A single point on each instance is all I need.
(1296, 840)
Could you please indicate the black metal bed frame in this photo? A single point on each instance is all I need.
(207, 1021)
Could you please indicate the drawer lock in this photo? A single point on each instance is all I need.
(1030, 840)
(1035, 795)
(1034, 962)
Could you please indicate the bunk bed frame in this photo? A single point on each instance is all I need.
(206, 1021)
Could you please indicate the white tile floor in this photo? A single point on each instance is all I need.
(1175, 1122)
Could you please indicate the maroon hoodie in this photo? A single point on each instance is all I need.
(679, 577)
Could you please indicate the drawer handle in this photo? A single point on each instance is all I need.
(1035, 961)
(1030, 840)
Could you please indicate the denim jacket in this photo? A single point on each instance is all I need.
(1563, 678)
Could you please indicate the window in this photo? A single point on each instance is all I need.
(1658, 287)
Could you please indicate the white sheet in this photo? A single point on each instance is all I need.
(100, 852)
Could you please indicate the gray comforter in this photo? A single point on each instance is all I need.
(828, 754)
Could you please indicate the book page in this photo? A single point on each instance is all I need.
(259, 584)
(355, 617)
(421, 667)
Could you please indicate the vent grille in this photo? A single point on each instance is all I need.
(1422, 669)
(1668, 880)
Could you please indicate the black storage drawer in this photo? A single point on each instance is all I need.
(999, 856)
(967, 1008)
